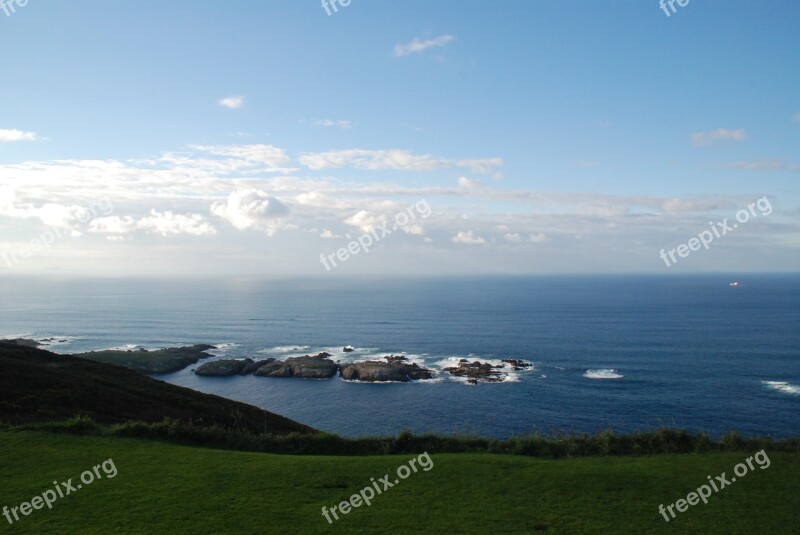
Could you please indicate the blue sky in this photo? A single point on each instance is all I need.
(547, 137)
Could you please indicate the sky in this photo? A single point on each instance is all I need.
(406, 137)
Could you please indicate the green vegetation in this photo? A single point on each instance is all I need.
(163, 488)
(601, 444)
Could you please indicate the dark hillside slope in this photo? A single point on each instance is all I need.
(36, 386)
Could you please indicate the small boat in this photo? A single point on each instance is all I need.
(734, 283)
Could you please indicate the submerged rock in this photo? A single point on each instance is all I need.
(477, 371)
(517, 364)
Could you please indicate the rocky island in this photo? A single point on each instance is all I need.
(396, 368)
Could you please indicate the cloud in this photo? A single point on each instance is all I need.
(484, 166)
(252, 209)
(702, 139)
(17, 135)
(164, 223)
(417, 46)
(468, 237)
(328, 123)
(232, 102)
(366, 221)
(266, 155)
(516, 237)
(113, 225)
(763, 165)
(211, 160)
(170, 224)
(399, 160)
(538, 237)
(468, 183)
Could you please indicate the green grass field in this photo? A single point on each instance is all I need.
(162, 488)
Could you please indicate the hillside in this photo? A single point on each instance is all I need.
(36, 386)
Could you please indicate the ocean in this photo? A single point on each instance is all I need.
(627, 353)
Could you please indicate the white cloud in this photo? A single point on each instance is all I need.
(16, 135)
(468, 183)
(468, 237)
(164, 223)
(170, 224)
(516, 237)
(417, 45)
(400, 160)
(538, 237)
(484, 166)
(232, 102)
(366, 221)
(252, 209)
(113, 225)
(763, 165)
(328, 123)
(267, 155)
(327, 234)
(701, 139)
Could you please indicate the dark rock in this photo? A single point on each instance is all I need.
(394, 369)
(476, 371)
(323, 355)
(222, 368)
(306, 367)
(253, 365)
(517, 364)
(347, 349)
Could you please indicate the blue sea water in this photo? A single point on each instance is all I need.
(619, 352)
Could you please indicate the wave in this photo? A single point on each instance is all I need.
(605, 373)
(783, 387)
(507, 372)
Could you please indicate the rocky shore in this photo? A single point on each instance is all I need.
(391, 368)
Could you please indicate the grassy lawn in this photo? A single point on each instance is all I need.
(162, 488)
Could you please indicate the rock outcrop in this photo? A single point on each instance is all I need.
(396, 368)
(477, 371)
(305, 367)
(230, 367)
